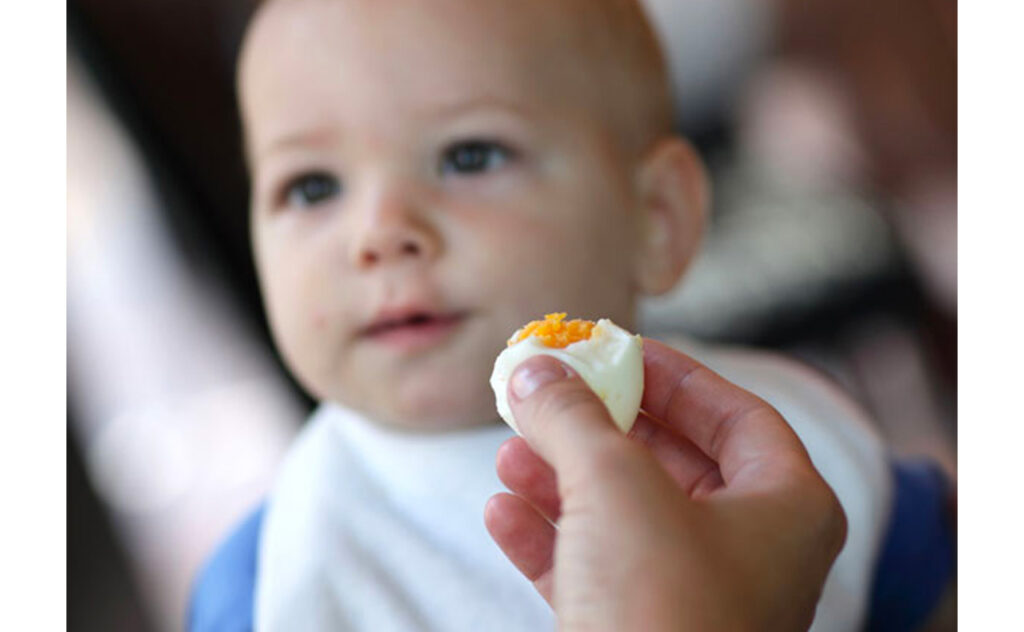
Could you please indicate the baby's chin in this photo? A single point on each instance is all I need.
(435, 425)
(439, 411)
(433, 422)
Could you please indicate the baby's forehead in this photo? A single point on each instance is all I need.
(542, 53)
(433, 37)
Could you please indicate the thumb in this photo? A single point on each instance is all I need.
(564, 422)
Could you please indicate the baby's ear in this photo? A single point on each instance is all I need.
(673, 194)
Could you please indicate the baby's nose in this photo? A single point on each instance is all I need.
(404, 247)
(392, 231)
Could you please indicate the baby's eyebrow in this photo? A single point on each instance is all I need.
(454, 107)
(299, 138)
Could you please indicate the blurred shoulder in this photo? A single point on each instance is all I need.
(223, 593)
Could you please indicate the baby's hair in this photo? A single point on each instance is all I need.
(620, 33)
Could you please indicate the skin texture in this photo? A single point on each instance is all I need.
(587, 211)
(709, 516)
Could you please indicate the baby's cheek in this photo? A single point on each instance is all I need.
(295, 330)
(493, 256)
(318, 321)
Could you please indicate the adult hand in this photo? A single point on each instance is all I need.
(709, 516)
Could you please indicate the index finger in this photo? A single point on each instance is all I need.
(734, 427)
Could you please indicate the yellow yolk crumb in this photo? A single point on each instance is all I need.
(553, 331)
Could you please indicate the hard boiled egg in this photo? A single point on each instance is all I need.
(608, 358)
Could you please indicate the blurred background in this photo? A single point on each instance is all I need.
(830, 132)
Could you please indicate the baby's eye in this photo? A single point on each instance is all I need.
(311, 189)
(474, 157)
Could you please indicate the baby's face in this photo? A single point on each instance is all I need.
(427, 177)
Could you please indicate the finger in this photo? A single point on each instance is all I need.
(562, 419)
(528, 476)
(526, 538)
(734, 427)
(688, 466)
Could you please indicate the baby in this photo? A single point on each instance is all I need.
(428, 175)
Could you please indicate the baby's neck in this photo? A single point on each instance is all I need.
(413, 427)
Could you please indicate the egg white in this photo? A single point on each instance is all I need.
(611, 362)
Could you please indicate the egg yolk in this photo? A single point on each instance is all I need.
(554, 331)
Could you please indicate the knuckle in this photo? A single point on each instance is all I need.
(817, 508)
(827, 516)
(837, 525)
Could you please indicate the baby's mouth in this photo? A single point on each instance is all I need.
(409, 329)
